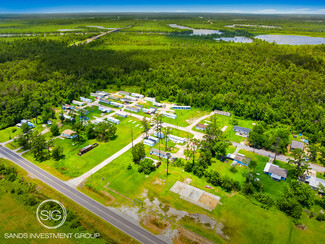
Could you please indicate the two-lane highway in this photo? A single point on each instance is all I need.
(100, 210)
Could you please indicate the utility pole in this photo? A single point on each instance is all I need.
(159, 133)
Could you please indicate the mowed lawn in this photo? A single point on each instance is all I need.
(9, 133)
(244, 221)
(226, 121)
(271, 187)
(185, 117)
(73, 165)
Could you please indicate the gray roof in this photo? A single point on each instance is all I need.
(241, 129)
(161, 152)
(297, 144)
(242, 159)
(276, 170)
(125, 93)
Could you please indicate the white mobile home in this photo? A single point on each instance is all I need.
(124, 93)
(113, 120)
(158, 104)
(222, 113)
(159, 134)
(87, 100)
(105, 109)
(78, 103)
(154, 139)
(104, 101)
(172, 116)
(132, 109)
(176, 139)
(131, 98)
(115, 104)
(150, 99)
(124, 115)
(148, 143)
(137, 95)
(113, 97)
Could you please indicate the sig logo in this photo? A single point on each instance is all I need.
(51, 214)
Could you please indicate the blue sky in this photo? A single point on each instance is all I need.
(233, 6)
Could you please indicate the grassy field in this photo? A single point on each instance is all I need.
(271, 226)
(272, 187)
(227, 121)
(73, 165)
(16, 217)
(9, 133)
(185, 117)
(181, 133)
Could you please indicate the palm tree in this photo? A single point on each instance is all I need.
(194, 146)
(168, 130)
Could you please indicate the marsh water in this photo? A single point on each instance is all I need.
(237, 39)
(196, 31)
(292, 40)
(278, 39)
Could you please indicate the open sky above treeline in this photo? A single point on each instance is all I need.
(232, 6)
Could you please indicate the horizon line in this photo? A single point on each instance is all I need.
(173, 12)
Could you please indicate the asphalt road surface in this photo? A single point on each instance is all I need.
(100, 210)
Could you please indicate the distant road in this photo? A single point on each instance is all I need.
(119, 221)
(100, 35)
(280, 157)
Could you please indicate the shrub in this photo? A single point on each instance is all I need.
(320, 217)
(146, 166)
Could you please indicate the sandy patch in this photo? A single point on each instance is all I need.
(208, 201)
(186, 236)
(155, 224)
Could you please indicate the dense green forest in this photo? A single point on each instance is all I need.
(261, 81)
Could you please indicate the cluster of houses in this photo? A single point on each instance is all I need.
(151, 141)
(114, 104)
(99, 94)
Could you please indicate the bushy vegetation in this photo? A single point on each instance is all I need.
(260, 81)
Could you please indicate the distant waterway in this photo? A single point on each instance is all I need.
(292, 40)
(196, 31)
(236, 39)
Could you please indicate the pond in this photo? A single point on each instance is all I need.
(292, 40)
(236, 39)
(196, 31)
